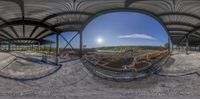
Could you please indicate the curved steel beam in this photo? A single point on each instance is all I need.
(33, 31)
(29, 22)
(179, 13)
(22, 39)
(65, 13)
(68, 23)
(191, 32)
(46, 35)
(177, 35)
(40, 33)
(14, 31)
(20, 3)
(73, 30)
(62, 24)
(178, 29)
(59, 14)
(129, 2)
(6, 33)
(3, 36)
(180, 23)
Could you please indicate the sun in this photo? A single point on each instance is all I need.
(99, 40)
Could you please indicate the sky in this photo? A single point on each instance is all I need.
(120, 29)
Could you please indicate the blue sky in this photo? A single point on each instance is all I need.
(120, 28)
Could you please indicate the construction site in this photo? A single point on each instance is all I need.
(34, 67)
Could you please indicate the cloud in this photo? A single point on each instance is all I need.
(137, 36)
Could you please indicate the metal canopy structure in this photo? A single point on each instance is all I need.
(38, 19)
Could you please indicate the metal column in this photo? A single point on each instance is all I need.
(9, 45)
(169, 45)
(38, 46)
(49, 47)
(0, 46)
(57, 49)
(31, 47)
(81, 44)
(187, 45)
(199, 47)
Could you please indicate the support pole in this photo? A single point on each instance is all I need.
(31, 47)
(187, 45)
(9, 46)
(169, 45)
(172, 48)
(195, 48)
(199, 47)
(15, 47)
(38, 46)
(1, 46)
(49, 47)
(81, 44)
(57, 49)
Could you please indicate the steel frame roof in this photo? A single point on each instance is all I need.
(37, 19)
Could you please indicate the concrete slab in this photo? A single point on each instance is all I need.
(26, 66)
(180, 64)
(5, 59)
(73, 81)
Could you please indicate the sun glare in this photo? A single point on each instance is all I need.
(99, 40)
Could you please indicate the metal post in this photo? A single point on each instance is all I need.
(187, 45)
(0, 46)
(50, 47)
(199, 47)
(31, 47)
(195, 48)
(38, 46)
(81, 44)
(169, 45)
(9, 46)
(172, 47)
(57, 49)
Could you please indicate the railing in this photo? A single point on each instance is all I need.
(147, 58)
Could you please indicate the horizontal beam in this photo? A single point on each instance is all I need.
(180, 23)
(178, 29)
(65, 13)
(68, 23)
(179, 14)
(28, 22)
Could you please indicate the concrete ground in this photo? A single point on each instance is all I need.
(73, 81)
(25, 66)
(181, 64)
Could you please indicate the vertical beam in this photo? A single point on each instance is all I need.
(31, 47)
(0, 46)
(81, 44)
(50, 47)
(38, 46)
(57, 49)
(195, 48)
(172, 48)
(199, 47)
(9, 45)
(187, 45)
(15, 47)
(169, 45)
